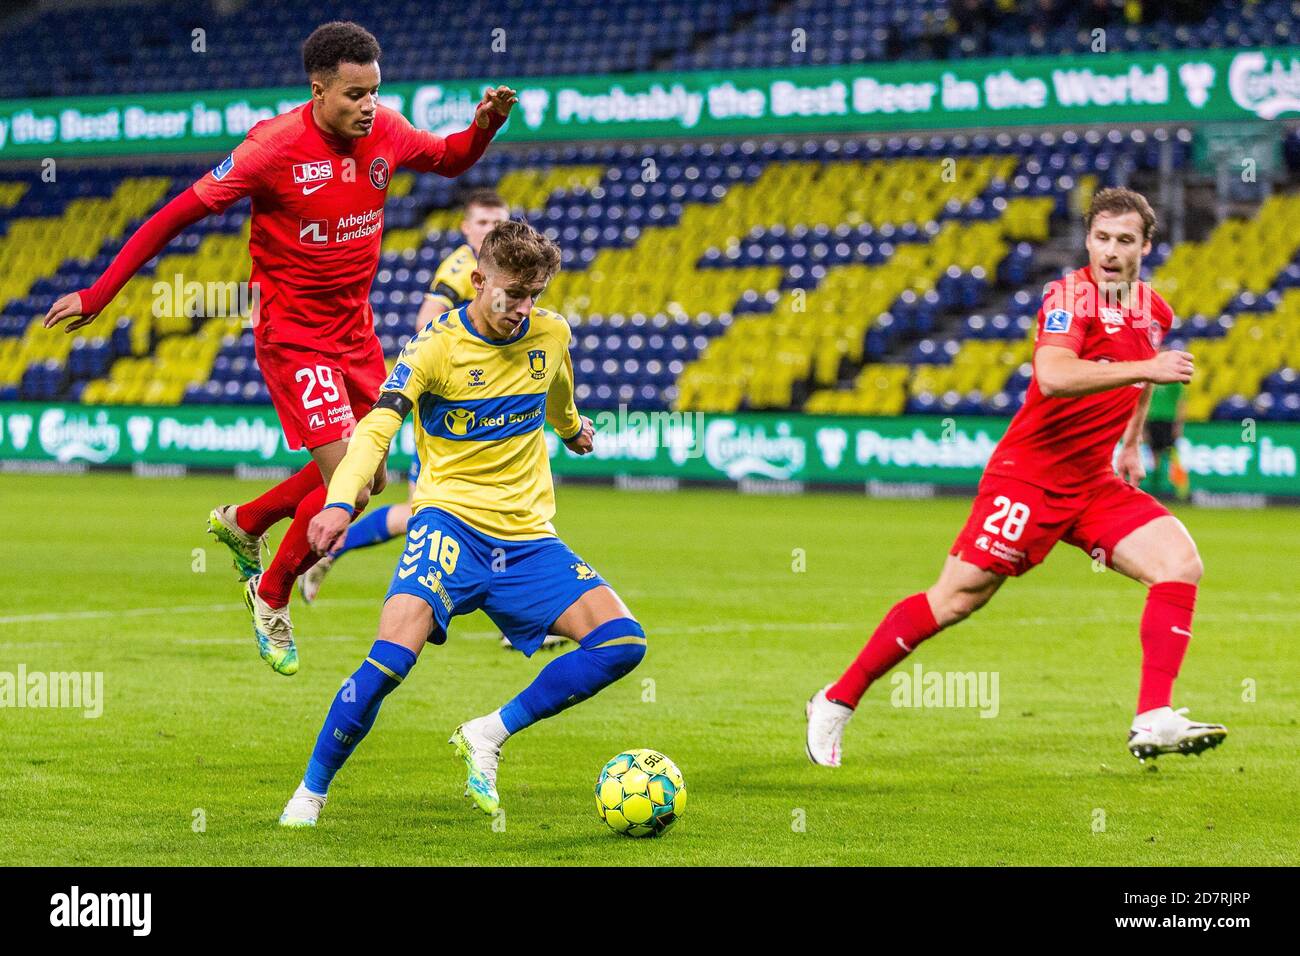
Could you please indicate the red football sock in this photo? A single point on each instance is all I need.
(907, 624)
(1166, 631)
(294, 555)
(279, 502)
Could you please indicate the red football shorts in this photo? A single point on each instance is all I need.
(319, 397)
(1013, 524)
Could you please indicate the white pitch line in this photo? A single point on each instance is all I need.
(147, 611)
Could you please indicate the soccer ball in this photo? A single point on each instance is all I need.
(640, 793)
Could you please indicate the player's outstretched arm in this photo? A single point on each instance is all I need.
(152, 237)
(366, 451)
(1060, 373)
(430, 153)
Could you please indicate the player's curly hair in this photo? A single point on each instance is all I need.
(339, 41)
(519, 249)
(1115, 201)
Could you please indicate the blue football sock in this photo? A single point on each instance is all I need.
(370, 529)
(602, 657)
(353, 711)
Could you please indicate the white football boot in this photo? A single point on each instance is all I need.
(303, 808)
(1166, 731)
(309, 581)
(476, 745)
(273, 629)
(826, 720)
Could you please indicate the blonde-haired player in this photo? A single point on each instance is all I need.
(482, 382)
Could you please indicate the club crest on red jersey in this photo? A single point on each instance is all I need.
(1155, 332)
(379, 172)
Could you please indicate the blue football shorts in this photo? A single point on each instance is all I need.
(523, 586)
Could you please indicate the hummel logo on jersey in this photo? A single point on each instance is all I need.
(1058, 320)
(315, 172)
(313, 232)
(476, 378)
(1112, 319)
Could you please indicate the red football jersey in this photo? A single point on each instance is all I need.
(1068, 442)
(318, 215)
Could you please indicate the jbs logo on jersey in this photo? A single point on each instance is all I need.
(313, 172)
(1111, 319)
(313, 232)
(1058, 320)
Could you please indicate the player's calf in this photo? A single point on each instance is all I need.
(351, 715)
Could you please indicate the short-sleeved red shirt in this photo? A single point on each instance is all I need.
(318, 215)
(1067, 443)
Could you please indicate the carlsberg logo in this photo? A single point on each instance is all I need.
(1266, 89)
(67, 438)
(433, 109)
(743, 452)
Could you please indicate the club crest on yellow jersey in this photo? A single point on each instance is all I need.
(537, 363)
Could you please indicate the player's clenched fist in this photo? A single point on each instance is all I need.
(68, 307)
(327, 529)
(584, 441)
(1171, 366)
(499, 100)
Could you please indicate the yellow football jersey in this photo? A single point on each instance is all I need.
(479, 410)
(451, 285)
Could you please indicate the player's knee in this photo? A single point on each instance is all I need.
(960, 605)
(619, 645)
(1187, 568)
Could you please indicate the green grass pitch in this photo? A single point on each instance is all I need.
(200, 744)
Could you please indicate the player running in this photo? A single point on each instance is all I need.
(1050, 478)
(482, 380)
(318, 176)
(451, 287)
